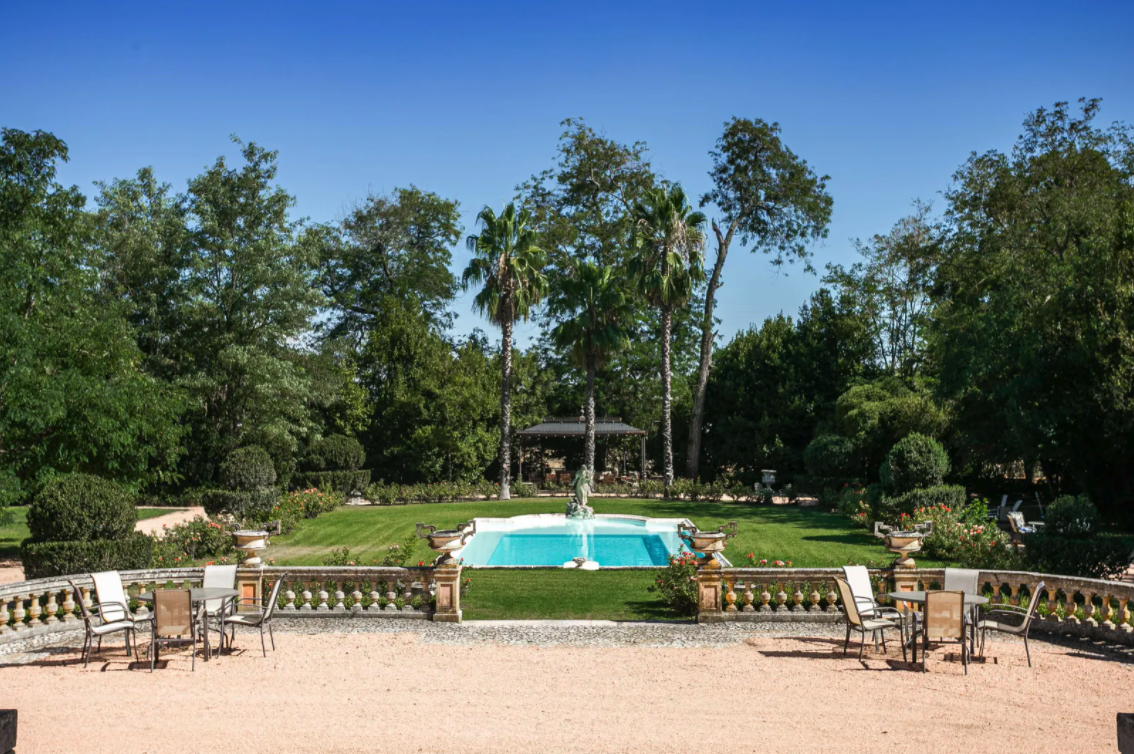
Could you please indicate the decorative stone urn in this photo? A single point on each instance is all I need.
(707, 543)
(250, 542)
(446, 541)
(903, 543)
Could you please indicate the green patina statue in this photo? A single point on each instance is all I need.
(577, 506)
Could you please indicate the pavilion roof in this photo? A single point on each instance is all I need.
(573, 426)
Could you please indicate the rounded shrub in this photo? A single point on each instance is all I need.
(248, 469)
(81, 508)
(1074, 517)
(914, 462)
(829, 456)
(336, 453)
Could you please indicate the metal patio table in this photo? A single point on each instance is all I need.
(198, 595)
(972, 602)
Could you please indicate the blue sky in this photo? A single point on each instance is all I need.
(465, 99)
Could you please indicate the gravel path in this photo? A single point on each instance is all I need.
(386, 686)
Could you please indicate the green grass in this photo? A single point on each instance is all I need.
(807, 537)
(12, 535)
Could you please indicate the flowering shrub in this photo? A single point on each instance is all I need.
(192, 540)
(765, 563)
(854, 503)
(677, 584)
(963, 537)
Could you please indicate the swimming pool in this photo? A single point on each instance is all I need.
(555, 540)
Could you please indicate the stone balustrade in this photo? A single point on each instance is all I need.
(1086, 607)
(371, 592)
(30, 608)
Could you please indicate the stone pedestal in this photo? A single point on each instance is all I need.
(448, 581)
(709, 608)
(250, 585)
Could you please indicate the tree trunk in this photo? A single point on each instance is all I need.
(693, 457)
(506, 410)
(667, 397)
(589, 413)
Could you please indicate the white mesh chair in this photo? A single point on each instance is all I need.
(254, 615)
(858, 579)
(217, 611)
(113, 603)
(102, 626)
(1011, 619)
(944, 620)
(863, 623)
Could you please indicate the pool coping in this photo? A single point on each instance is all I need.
(720, 558)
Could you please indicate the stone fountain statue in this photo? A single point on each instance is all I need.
(577, 506)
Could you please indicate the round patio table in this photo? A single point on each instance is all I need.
(197, 596)
(972, 602)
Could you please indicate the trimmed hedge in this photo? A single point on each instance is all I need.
(81, 508)
(240, 503)
(45, 559)
(345, 482)
(336, 453)
(1094, 557)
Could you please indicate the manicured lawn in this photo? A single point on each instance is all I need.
(807, 537)
(17, 531)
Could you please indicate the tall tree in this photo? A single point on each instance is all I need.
(144, 242)
(72, 394)
(593, 311)
(891, 289)
(1033, 328)
(666, 266)
(776, 203)
(251, 296)
(396, 245)
(508, 265)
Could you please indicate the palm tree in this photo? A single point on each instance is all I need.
(508, 265)
(669, 237)
(593, 308)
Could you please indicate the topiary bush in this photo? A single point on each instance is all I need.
(246, 469)
(335, 453)
(81, 508)
(240, 503)
(915, 461)
(44, 559)
(1071, 516)
(829, 456)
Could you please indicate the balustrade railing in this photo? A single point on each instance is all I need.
(30, 608)
(1091, 607)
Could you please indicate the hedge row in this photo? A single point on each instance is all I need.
(346, 482)
(45, 559)
(242, 504)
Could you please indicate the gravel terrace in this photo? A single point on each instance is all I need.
(397, 686)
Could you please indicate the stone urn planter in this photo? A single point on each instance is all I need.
(250, 542)
(903, 543)
(707, 543)
(446, 541)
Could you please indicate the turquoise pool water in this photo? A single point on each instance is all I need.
(553, 540)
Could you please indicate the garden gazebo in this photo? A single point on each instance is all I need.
(571, 426)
